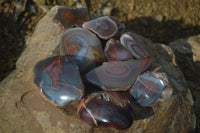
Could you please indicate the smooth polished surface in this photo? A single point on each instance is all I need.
(135, 45)
(106, 109)
(114, 51)
(104, 27)
(58, 79)
(84, 46)
(68, 17)
(148, 88)
(117, 75)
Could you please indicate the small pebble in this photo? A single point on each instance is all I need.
(159, 18)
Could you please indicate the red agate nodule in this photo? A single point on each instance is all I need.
(135, 45)
(106, 109)
(115, 51)
(104, 27)
(69, 17)
(58, 79)
(149, 87)
(84, 46)
(117, 75)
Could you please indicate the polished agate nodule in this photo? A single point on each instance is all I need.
(70, 17)
(82, 66)
(115, 51)
(117, 75)
(58, 79)
(106, 109)
(134, 44)
(84, 46)
(149, 87)
(104, 27)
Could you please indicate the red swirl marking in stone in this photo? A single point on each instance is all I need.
(104, 27)
(117, 70)
(53, 68)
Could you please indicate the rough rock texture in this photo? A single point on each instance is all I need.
(187, 52)
(22, 109)
(188, 59)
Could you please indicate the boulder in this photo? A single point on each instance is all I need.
(188, 59)
(22, 109)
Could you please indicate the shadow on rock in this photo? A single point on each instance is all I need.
(11, 44)
(164, 31)
(15, 26)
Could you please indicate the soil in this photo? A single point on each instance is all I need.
(158, 20)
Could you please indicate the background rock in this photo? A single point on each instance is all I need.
(187, 52)
(22, 109)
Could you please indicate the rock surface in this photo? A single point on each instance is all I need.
(188, 59)
(22, 109)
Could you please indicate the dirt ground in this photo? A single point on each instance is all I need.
(159, 20)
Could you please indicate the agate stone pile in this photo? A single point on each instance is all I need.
(99, 53)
